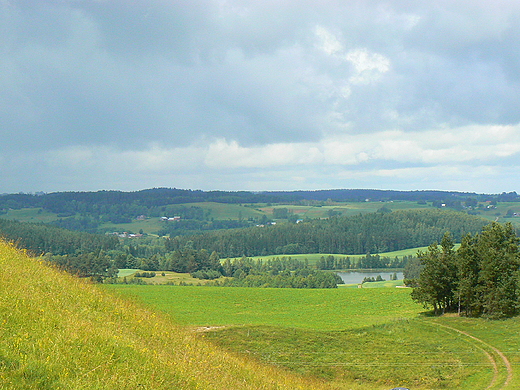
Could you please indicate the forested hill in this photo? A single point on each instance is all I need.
(137, 201)
(39, 239)
(361, 234)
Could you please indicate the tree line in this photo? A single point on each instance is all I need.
(480, 278)
(369, 261)
(360, 234)
(98, 256)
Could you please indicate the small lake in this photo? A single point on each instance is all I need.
(356, 277)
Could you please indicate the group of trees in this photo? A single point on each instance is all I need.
(96, 265)
(277, 272)
(478, 279)
(369, 261)
(303, 278)
(94, 255)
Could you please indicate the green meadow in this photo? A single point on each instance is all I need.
(30, 215)
(351, 338)
(320, 309)
(343, 208)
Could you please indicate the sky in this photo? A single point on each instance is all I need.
(259, 95)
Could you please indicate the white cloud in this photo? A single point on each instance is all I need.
(328, 41)
(369, 66)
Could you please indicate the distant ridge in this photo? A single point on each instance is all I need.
(164, 196)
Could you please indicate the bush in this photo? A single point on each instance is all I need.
(209, 274)
(144, 274)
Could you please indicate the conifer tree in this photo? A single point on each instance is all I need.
(480, 278)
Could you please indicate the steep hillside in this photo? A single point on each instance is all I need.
(59, 332)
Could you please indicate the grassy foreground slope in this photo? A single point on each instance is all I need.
(59, 332)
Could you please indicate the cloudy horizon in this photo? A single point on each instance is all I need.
(260, 96)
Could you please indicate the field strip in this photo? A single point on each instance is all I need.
(504, 358)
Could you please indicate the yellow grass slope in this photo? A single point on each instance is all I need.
(59, 332)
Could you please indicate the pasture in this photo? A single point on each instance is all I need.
(351, 338)
(30, 215)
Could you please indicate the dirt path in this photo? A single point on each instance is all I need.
(491, 358)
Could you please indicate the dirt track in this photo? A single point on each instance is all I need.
(492, 359)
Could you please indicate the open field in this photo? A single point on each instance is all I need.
(343, 208)
(373, 338)
(382, 284)
(149, 226)
(321, 309)
(30, 215)
(168, 277)
(227, 210)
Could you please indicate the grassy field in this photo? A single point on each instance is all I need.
(164, 277)
(343, 208)
(30, 215)
(226, 211)
(323, 309)
(374, 338)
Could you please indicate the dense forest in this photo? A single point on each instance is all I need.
(40, 238)
(361, 234)
(66, 243)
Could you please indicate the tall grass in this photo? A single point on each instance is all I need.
(59, 332)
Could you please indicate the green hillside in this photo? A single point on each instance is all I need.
(59, 332)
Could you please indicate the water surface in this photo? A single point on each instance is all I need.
(353, 277)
